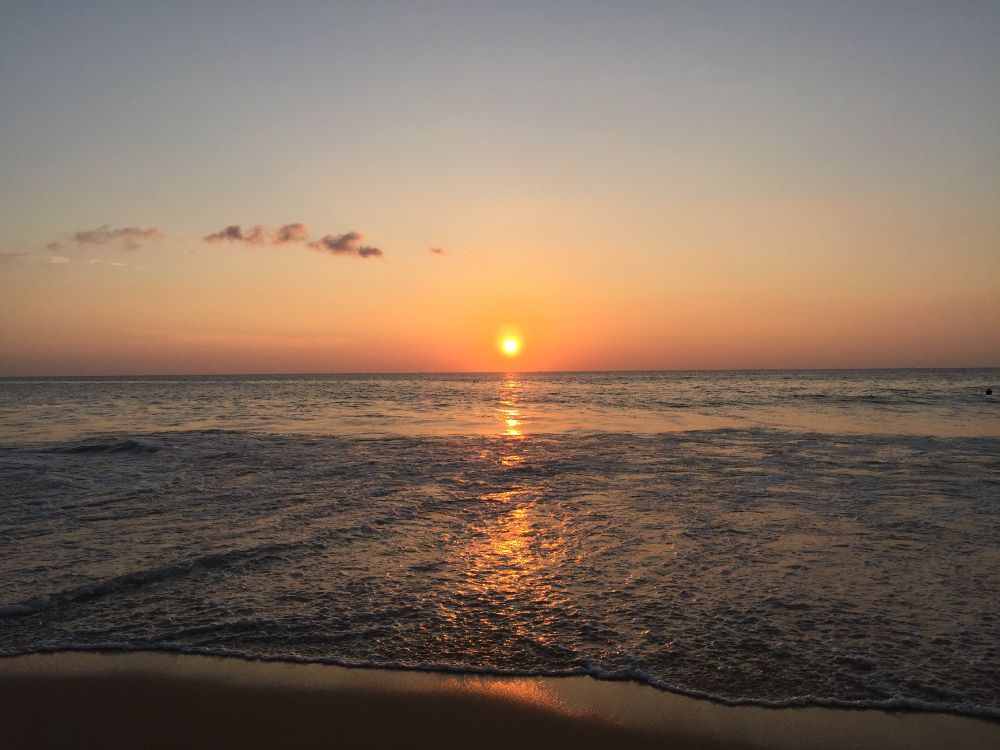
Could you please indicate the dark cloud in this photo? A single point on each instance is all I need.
(235, 233)
(437, 251)
(338, 243)
(129, 237)
(348, 243)
(54, 246)
(11, 257)
(259, 235)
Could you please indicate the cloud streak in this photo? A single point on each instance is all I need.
(294, 233)
(260, 235)
(348, 243)
(291, 233)
(131, 238)
(235, 233)
(436, 251)
(62, 260)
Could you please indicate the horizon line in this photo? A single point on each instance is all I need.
(348, 373)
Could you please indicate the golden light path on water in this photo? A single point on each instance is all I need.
(511, 559)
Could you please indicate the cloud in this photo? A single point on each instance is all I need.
(65, 259)
(259, 235)
(235, 233)
(338, 243)
(436, 251)
(130, 237)
(348, 243)
(54, 246)
(291, 233)
(11, 257)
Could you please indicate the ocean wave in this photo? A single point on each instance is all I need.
(135, 579)
(746, 564)
(130, 446)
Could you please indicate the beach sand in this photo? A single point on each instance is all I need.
(159, 700)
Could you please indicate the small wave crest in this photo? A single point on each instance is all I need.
(135, 579)
(129, 446)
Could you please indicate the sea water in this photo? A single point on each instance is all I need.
(770, 537)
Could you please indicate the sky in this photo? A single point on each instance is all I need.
(237, 187)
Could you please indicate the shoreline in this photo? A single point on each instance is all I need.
(892, 706)
(161, 699)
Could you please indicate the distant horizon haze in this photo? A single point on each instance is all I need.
(510, 372)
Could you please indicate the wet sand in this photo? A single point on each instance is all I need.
(158, 700)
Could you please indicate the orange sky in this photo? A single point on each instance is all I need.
(659, 189)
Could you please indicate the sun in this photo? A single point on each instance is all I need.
(510, 346)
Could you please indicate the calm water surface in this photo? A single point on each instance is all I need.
(911, 402)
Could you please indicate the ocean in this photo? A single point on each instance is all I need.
(775, 538)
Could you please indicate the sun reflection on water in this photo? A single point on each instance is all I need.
(517, 546)
(509, 415)
(513, 552)
(510, 565)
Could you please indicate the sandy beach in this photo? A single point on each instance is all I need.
(159, 700)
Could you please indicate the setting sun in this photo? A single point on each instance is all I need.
(510, 346)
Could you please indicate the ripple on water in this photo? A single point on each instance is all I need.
(746, 564)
